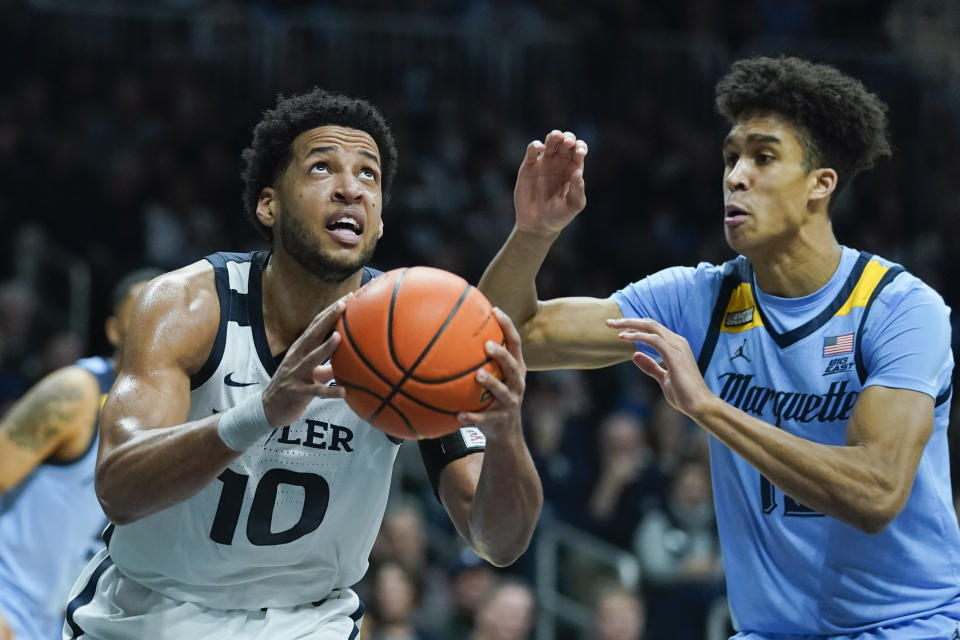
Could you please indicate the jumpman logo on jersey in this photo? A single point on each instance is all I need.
(956, 633)
(739, 352)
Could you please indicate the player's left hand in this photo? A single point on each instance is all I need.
(504, 412)
(550, 189)
(678, 375)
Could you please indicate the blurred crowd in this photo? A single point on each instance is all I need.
(120, 138)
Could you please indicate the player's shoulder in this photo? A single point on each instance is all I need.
(192, 287)
(72, 383)
(703, 274)
(177, 313)
(904, 286)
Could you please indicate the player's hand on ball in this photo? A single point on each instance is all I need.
(504, 411)
(305, 372)
(550, 189)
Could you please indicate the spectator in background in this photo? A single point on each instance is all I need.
(18, 307)
(396, 592)
(627, 482)
(619, 615)
(470, 578)
(506, 612)
(557, 407)
(679, 553)
(671, 437)
(403, 539)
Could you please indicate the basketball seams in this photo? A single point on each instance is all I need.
(450, 378)
(383, 406)
(356, 349)
(407, 374)
(431, 332)
(390, 310)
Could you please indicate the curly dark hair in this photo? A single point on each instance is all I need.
(840, 123)
(270, 150)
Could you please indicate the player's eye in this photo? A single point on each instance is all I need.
(369, 174)
(730, 159)
(320, 167)
(764, 158)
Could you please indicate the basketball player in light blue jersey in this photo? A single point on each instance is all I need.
(821, 373)
(246, 494)
(50, 520)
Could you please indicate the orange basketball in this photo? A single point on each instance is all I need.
(412, 344)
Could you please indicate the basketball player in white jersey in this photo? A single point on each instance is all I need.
(50, 521)
(246, 494)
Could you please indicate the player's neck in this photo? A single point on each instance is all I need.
(798, 270)
(292, 297)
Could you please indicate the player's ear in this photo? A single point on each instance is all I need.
(823, 182)
(267, 206)
(112, 328)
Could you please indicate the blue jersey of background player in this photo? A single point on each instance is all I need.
(821, 373)
(50, 520)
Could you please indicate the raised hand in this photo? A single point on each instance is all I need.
(679, 377)
(305, 371)
(504, 411)
(550, 190)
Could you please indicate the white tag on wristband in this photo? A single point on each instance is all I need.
(473, 438)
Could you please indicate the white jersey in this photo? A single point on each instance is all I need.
(291, 519)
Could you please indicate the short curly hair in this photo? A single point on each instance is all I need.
(271, 148)
(840, 123)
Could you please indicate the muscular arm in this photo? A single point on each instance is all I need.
(864, 482)
(494, 498)
(564, 333)
(54, 419)
(151, 458)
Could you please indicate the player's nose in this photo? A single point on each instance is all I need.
(347, 189)
(736, 178)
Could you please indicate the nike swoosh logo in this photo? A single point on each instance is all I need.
(230, 382)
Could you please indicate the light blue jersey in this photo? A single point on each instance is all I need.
(50, 526)
(800, 364)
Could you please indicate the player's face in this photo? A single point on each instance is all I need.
(326, 205)
(766, 189)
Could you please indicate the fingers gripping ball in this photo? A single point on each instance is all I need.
(412, 344)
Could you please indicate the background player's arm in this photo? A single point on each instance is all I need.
(494, 498)
(54, 418)
(864, 483)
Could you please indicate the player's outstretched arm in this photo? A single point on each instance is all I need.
(561, 333)
(549, 193)
(54, 418)
(494, 498)
(150, 457)
(864, 483)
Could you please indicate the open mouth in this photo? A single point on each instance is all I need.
(734, 215)
(346, 228)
